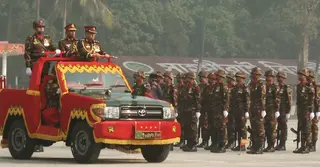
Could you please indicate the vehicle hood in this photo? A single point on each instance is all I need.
(117, 99)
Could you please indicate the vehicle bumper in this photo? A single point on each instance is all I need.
(123, 132)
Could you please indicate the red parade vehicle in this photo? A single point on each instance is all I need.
(96, 111)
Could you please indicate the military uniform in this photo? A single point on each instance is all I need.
(69, 45)
(230, 135)
(35, 45)
(190, 108)
(239, 109)
(257, 91)
(272, 109)
(155, 87)
(305, 107)
(314, 124)
(285, 94)
(87, 49)
(180, 99)
(217, 117)
(140, 89)
(203, 120)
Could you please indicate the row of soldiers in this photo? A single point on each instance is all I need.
(221, 103)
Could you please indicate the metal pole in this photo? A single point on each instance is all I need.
(17, 82)
(38, 9)
(203, 35)
(64, 17)
(4, 64)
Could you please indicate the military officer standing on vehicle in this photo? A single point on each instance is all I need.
(239, 108)
(35, 45)
(140, 88)
(218, 116)
(190, 112)
(69, 44)
(305, 110)
(89, 46)
(315, 120)
(203, 126)
(230, 136)
(180, 96)
(257, 112)
(285, 94)
(272, 109)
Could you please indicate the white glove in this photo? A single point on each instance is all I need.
(263, 114)
(58, 51)
(318, 115)
(225, 113)
(288, 116)
(58, 91)
(28, 71)
(311, 115)
(198, 114)
(277, 114)
(246, 115)
(177, 115)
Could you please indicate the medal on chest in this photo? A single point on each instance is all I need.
(303, 90)
(68, 45)
(35, 41)
(240, 91)
(96, 48)
(46, 42)
(281, 91)
(189, 91)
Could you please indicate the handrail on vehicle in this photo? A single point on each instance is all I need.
(3, 82)
(95, 56)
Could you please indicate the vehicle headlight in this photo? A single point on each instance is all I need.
(168, 113)
(112, 112)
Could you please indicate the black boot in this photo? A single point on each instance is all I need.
(237, 148)
(230, 144)
(313, 146)
(190, 147)
(38, 148)
(252, 148)
(203, 144)
(183, 144)
(303, 149)
(208, 147)
(270, 148)
(259, 149)
(220, 149)
(281, 146)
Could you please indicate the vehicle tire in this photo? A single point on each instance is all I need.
(83, 147)
(19, 143)
(155, 153)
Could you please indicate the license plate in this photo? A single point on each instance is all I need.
(147, 135)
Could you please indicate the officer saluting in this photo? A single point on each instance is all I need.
(88, 47)
(35, 45)
(69, 44)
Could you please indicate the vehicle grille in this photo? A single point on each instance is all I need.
(141, 112)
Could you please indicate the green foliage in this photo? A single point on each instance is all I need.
(233, 28)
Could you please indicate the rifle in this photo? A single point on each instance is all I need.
(297, 132)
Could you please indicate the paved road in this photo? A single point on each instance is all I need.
(61, 156)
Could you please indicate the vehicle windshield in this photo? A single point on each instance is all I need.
(96, 81)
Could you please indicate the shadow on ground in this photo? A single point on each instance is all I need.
(39, 160)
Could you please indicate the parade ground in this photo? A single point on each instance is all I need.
(58, 155)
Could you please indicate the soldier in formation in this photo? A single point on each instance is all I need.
(180, 86)
(140, 88)
(203, 122)
(230, 137)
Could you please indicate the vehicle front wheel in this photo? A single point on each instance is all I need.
(84, 148)
(19, 143)
(155, 153)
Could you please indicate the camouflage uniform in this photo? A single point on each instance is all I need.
(68, 45)
(230, 134)
(305, 106)
(203, 120)
(314, 124)
(272, 106)
(156, 89)
(216, 118)
(180, 86)
(239, 106)
(285, 94)
(35, 45)
(140, 89)
(257, 91)
(190, 106)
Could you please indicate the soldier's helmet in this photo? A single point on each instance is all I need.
(231, 76)
(168, 74)
(190, 75)
(241, 74)
(159, 74)
(203, 74)
(282, 74)
(304, 72)
(312, 74)
(140, 74)
(269, 73)
(212, 75)
(256, 71)
(220, 73)
(38, 23)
